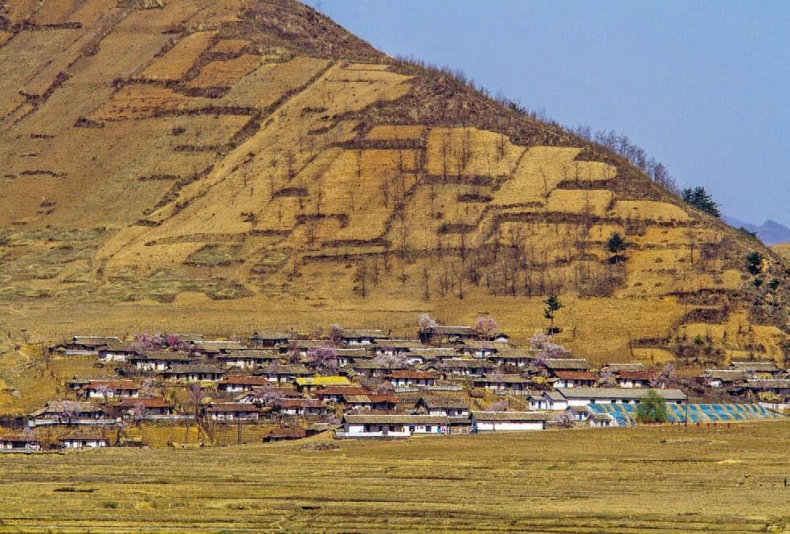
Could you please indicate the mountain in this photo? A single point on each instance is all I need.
(770, 232)
(225, 165)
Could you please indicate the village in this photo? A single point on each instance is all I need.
(352, 383)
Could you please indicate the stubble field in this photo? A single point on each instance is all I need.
(606, 480)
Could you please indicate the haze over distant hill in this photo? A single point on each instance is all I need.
(225, 165)
(770, 232)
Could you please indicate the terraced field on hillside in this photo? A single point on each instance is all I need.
(214, 165)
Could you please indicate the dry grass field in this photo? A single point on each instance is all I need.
(657, 479)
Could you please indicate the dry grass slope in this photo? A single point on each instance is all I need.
(233, 158)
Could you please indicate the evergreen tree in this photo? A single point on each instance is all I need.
(701, 199)
(553, 305)
(616, 245)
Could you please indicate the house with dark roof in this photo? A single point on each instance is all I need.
(303, 407)
(283, 374)
(241, 383)
(264, 338)
(583, 396)
(447, 334)
(82, 345)
(571, 379)
(233, 411)
(466, 367)
(194, 373)
(147, 408)
(157, 361)
(442, 405)
(117, 352)
(369, 402)
(723, 378)
(548, 400)
(83, 440)
(410, 378)
(513, 384)
(482, 349)
(284, 434)
(333, 394)
(633, 379)
(350, 337)
(70, 413)
(512, 357)
(566, 364)
(19, 443)
(109, 389)
(755, 368)
(248, 359)
(391, 426)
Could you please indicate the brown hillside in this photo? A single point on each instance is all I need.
(221, 165)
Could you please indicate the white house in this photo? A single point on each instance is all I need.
(362, 337)
(443, 406)
(83, 441)
(585, 396)
(249, 359)
(19, 442)
(391, 426)
(549, 400)
(507, 421)
(410, 378)
(99, 389)
(599, 420)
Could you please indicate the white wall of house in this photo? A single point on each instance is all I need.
(84, 444)
(509, 426)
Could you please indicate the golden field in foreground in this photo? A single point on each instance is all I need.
(624, 480)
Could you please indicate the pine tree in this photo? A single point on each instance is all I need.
(701, 199)
(616, 244)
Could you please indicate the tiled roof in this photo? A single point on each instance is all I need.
(445, 402)
(244, 380)
(567, 364)
(626, 366)
(233, 407)
(619, 393)
(407, 374)
(576, 375)
(396, 419)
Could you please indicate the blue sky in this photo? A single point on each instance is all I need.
(703, 86)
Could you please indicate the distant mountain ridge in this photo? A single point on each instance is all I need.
(770, 232)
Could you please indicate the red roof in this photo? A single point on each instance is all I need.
(576, 375)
